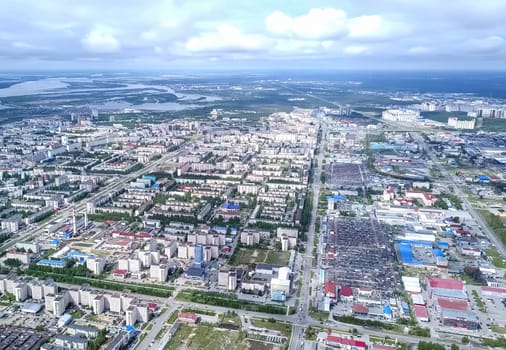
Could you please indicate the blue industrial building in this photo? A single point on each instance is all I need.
(443, 245)
(51, 263)
(483, 178)
(229, 206)
(387, 311)
(438, 253)
(407, 254)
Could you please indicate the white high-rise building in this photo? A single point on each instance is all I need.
(454, 122)
(95, 265)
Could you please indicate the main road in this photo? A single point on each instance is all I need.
(458, 191)
(302, 315)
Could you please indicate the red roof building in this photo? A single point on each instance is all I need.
(360, 309)
(421, 313)
(330, 289)
(335, 341)
(453, 304)
(493, 291)
(446, 283)
(346, 292)
(426, 198)
(120, 273)
(188, 317)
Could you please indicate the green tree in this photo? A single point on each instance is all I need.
(12, 262)
(429, 346)
(10, 297)
(454, 347)
(465, 340)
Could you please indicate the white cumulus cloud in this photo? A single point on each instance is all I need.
(356, 50)
(225, 37)
(316, 24)
(488, 44)
(98, 41)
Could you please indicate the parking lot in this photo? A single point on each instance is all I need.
(345, 175)
(14, 317)
(356, 255)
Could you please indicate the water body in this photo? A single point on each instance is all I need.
(61, 85)
(159, 107)
(480, 84)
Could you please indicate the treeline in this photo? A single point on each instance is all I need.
(101, 217)
(368, 323)
(96, 343)
(225, 300)
(69, 270)
(306, 213)
(420, 332)
(494, 343)
(429, 346)
(4, 237)
(72, 277)
(133, 168)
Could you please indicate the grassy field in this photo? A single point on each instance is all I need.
(277, 258)
(496, 125)
(319, 315)
(497, 259)
(244, 256)
(205, 337)
(284, 329)
(498, 329)
(231, 318)
(495, 223)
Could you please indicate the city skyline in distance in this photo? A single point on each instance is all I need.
(218, 35)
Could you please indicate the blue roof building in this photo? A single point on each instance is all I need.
(229, 206)
(278, 295)
(219, 229)
(387, 311)
(337, 198)
(438, 253)
(407, 256)
(51, 263)
(149, 177)
(443, 245)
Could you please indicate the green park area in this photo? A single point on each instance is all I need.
(227, 300)
(206, 337)
(246, 256)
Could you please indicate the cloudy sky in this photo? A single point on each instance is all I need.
(256, 34)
